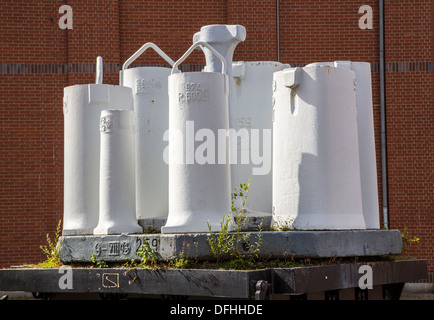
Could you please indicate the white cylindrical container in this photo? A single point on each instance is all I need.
(366, 135)
(252, 109)
(199, 173)
(151, 106)
(82, 106)
(117, 209)
(316, 171)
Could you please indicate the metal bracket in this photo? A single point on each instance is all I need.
(261, 289)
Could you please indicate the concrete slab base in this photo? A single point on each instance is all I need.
(274, 244)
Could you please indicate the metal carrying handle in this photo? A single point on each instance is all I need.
(196, 44)
(143, 49)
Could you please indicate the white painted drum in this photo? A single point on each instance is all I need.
(316, 170)
(199, 186)
(82, 106)
(151, 106)
(366, 135)
(117, 209)
(251, 109)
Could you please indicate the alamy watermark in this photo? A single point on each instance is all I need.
(65, 21)
(365, 21)
(223, 147)
(366, 280)
(65, 281)
(226, 146)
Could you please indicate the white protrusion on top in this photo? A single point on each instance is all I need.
(99, 70)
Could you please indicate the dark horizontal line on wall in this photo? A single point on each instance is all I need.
(409, 66)
(71, 68)
(110, 68)
(423, 66)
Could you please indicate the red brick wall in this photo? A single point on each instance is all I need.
(38, 59)
(409, 32)
(95, 33)
(31, 141)
(169, 24)
(261, 25)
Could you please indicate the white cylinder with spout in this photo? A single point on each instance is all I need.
(151, 106)
(82, 106)
(316, 170)
(199, 172)
(252, 109)
(117, 209)
(224, 39)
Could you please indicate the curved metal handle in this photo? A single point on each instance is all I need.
(204, 44)
(143, 49)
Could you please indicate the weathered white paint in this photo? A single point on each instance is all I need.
(151, 106)
(198, 193)
(117, 209)
(252, 109)
(316, 170)
(366, 136)
(82, 106)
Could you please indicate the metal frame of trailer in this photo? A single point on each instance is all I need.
(325, 282)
